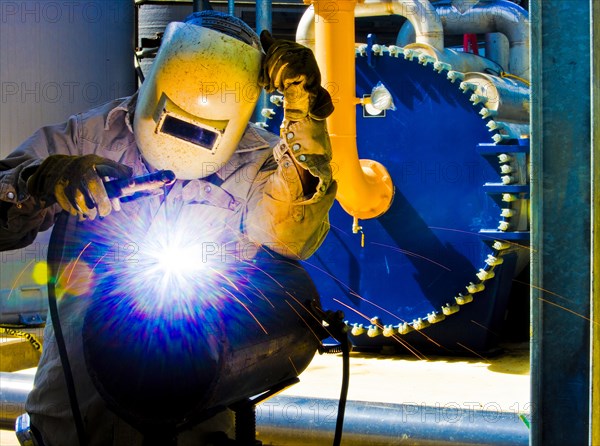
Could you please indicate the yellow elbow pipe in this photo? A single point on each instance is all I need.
(365, 188)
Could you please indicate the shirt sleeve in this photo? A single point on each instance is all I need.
(287, 213)
(21, 216)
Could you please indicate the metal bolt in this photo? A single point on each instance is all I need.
(485, 275)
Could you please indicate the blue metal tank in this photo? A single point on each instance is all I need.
(434, 273)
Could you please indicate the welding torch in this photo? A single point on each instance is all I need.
(132, 188)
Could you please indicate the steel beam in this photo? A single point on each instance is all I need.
(595, 415)
(264, 21)
(561, 222)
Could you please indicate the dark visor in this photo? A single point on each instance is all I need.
(189, 132)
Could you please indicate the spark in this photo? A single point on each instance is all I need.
(412, 254)
(246, 308)
(484, 327)
(397, 317)
(555, 304)
(264, 272)
(405, 344)
(472, 351)
(14, 286)
(310, 313)
(483, 235)
(543, 289)
(75, 263)
(227, 279)
(293, 366)
(264, 296)
(304, 320)
(569, 310)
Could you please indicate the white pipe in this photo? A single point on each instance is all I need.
(423, 17)
(420, 13)
(487, 16)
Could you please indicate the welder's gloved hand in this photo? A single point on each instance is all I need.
(292, 69)
(75, 182)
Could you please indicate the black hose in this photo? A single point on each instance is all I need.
(55, 251)
(339, 424)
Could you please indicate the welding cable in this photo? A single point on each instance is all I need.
(339, 424)
(55, 251)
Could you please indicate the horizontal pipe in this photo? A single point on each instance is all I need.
(497, 16)
(509, 99)
(365, 188)
(419, 13)
(298, 421)
(14, 388)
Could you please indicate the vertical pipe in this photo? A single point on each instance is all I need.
(560, 222)
(264, 21)
(595, 371)
(231, 7)
(365, 189)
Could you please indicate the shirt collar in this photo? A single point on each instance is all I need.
(127, 106)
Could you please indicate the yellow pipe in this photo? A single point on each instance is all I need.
(365, 188)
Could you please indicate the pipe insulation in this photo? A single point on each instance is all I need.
(298, 421)
(484, 17)
(14, 388)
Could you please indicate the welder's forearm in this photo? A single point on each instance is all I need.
(20, 224)
(290, 213)
(294, 230)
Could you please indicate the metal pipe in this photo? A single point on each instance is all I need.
(487, 16)
(298, 421)
(14, 388)
(561, 222)
(595, 367)
(506, 99)
(303, 421)
(231, 7)
(365, 188)
(420, 13)
(497, 48)
(429, 38)
(264, 21)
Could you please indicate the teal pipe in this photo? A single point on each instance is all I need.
(298, 421)
(560, 222)
(264, 21)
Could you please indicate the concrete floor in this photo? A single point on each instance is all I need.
(498, 384)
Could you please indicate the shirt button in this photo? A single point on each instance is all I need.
(290, 135)
(207, 189)
(10, 195)
(301, 158)
(296, 147)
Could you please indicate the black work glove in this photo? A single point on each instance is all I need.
(75, 182)
(292, 69)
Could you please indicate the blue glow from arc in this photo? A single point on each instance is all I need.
(159, 270)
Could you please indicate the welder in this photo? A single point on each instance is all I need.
(241, 192)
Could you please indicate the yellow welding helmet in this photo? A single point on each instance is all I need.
(195, 103)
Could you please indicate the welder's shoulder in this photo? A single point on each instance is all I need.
(256, 138)
(108, 127)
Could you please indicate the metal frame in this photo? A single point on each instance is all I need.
(561, 222)
(595, 369)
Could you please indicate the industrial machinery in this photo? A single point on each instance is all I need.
(431, 269)
(430, 227)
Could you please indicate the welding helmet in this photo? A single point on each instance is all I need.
(195, 103)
